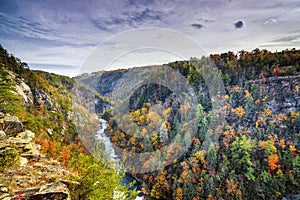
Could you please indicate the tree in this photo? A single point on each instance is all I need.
(162, 188)
(93, 180)
(10, 102)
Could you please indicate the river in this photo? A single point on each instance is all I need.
(111, 154)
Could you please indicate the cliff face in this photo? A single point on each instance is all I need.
(282, 93)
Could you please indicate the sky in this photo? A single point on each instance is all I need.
(61, 35)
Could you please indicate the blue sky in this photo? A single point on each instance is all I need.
(58, 36)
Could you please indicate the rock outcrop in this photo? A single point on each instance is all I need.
(57, 191)
(33, 176)
(11, 125)
(25, 92)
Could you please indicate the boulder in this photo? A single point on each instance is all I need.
(4, 193)
(4, 196)
(3, 188)
(31, 150)
(23, 161)
(26, 135)
(2, 135)
(12, 125)
(18, 141)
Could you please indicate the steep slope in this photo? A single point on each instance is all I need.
(41, 153)
(253, 153)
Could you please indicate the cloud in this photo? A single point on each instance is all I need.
(56, 32)
(287, 39)
(239, 24)
(196, 25)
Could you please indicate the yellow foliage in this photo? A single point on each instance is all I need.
(296, 88)
(148, 104)
(278, 194)
(292, 148)
(239, 111)
(265, 98)
(168, 125)
(295, 114)
(256, 124)
(225, 97)
(167, 112)
(200, 155)
(247, 94)
(154, 117)
(154, 138)
(144, 110)
(262, 144)
(134, 115)
(267, 112)
(141, 119)
(133, 140)
(257, 101)
(279, 172)
(282, 117)
(144, 132)
(179, 194)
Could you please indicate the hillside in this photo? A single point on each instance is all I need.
(223, 127)
(245, 143)
(41, 153)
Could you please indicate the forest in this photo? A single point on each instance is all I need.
(240, 143)
(253, 153)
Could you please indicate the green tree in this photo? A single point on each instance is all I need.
(10, 102)
(97, 180)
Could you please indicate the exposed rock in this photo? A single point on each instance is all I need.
(26, 135)
(23, 161)
(43, 97)
(3, 188)
(31, 150)
(3, 145)
(2, 135)
(25, 92)
(50, 132)
(4, 193)
(12, 125)
(57, 191)
(4, 196)
(18, 141)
